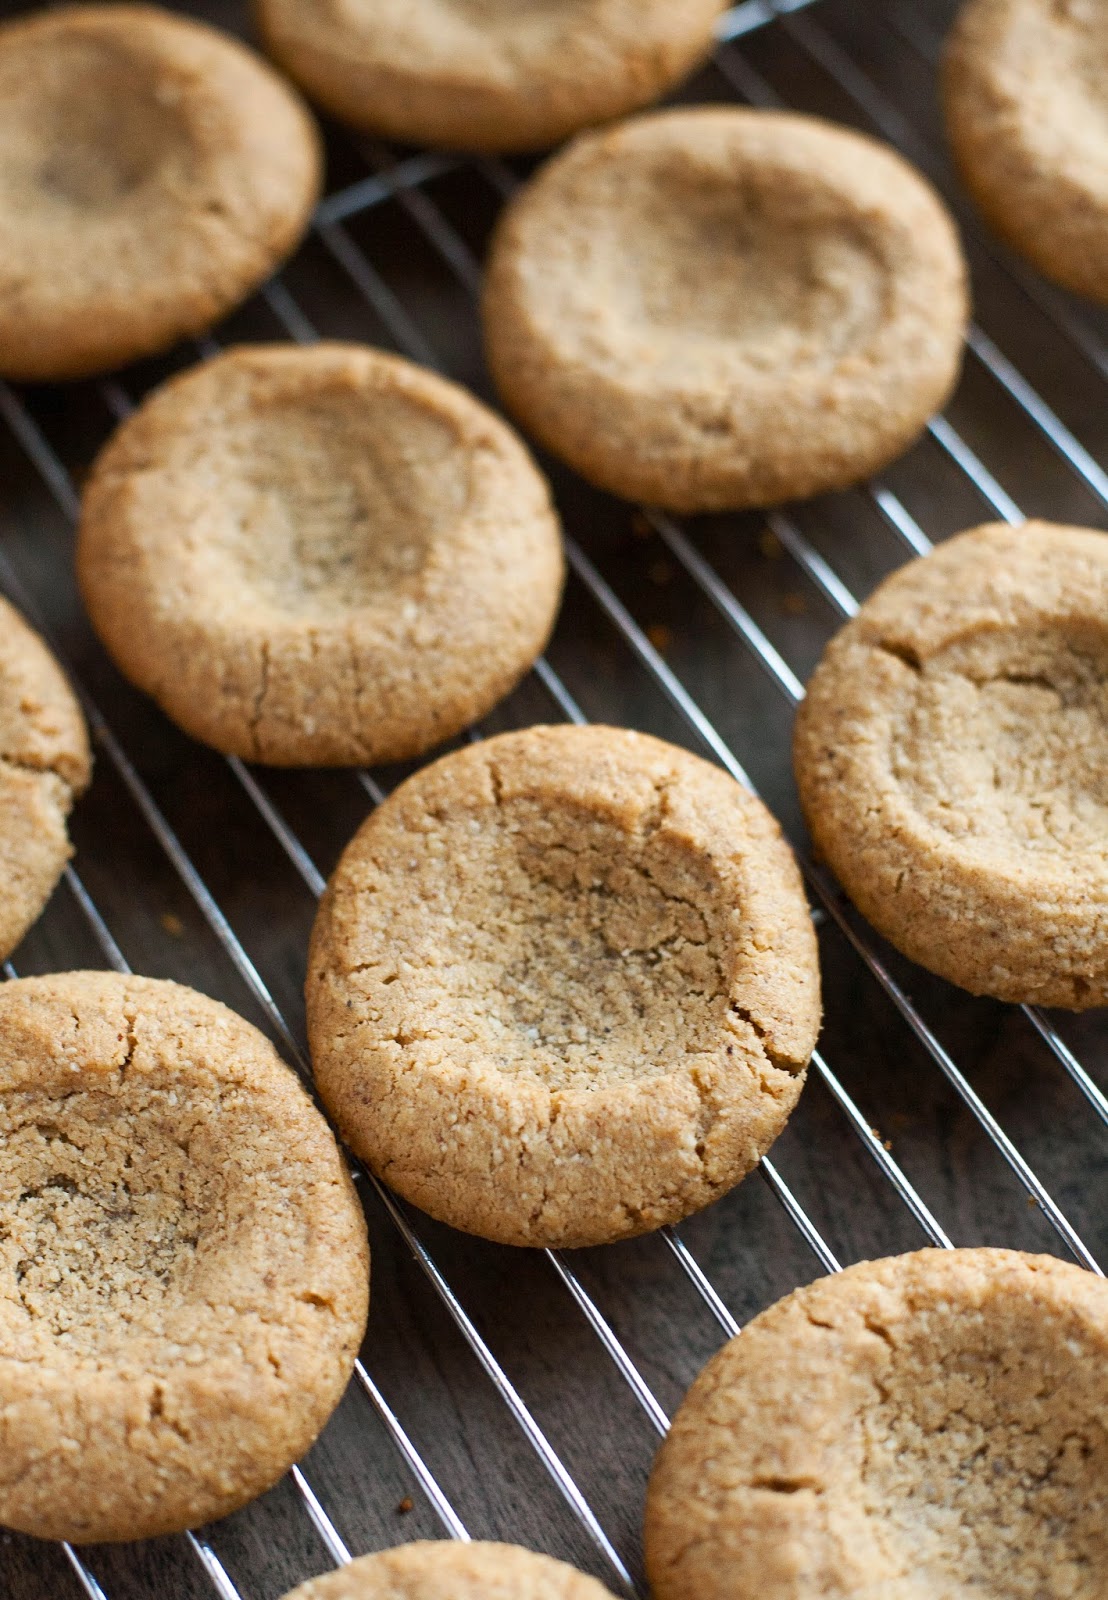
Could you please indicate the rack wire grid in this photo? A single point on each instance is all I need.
(521, 1395)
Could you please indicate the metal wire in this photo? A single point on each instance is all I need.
(209, 1561)
(57, 479)
(841, 598)
(891, 124)
(456, 254)
(85, 1578)
(299, 328)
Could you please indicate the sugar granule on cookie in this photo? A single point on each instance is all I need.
(917, 1428)
(446, 1570)
(183, 1260)
(320, 556)
(1025, 94)
(563, 986)
(486, 74)
(45, 765)
(713, 308)
(153, 172)
(951, 754)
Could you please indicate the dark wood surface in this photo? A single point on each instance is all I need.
(747, 1244)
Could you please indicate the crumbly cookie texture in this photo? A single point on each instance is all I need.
(1025, 89)
(563, 986)
(486, 74)
(718, 307)
(152, 173)
(183, 1260)
(444, 1570)
(319, 556)
(918, 1428)
(950, 755)
(44, 765)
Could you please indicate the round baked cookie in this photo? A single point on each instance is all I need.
(918, 1428)
(486, 74)
(319, 556)
(152, 173)
(44, 765)
(445, 1570)
(183, 1262)
(1026, 99)
(563, 986)
(718, 307)
(951, 755)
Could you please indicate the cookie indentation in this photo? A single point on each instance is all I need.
(1005, 744)
(98, 147)
(950, 755)
(153, 172)
(940, 1472)
(719, 308)
(927, 1425)
(182, 1260)
(105, 1225)
(563, 986)
(603, 962)
(337, 556)
(728, 267)
(331, 506)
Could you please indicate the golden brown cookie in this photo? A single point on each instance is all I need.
(951, 755)
(717, 308)
(442, 1570)
(319, 556)
(563, 986)
(486, 74)
(153, 172)
(921, 1428)
(44, 765)
(1025, 88)
(183, 1263)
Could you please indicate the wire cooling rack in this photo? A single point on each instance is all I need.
(521, 1395)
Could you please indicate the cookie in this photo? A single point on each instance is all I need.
(918, 1428)
(442, 1570)
(183, 1261)
(563, 986)
(1025, 89)
(486, 74)
(153, 172)
(950, 755)
(716, 307)
(319, 556)
(44, 765)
